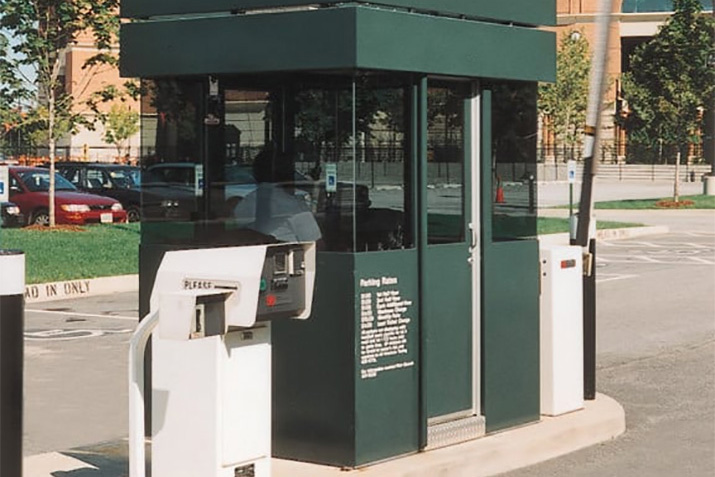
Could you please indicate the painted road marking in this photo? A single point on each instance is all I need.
(66, 335)
(642, 259)
(609, 277)
(84, 315)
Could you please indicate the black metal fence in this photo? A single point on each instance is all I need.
(616, 154)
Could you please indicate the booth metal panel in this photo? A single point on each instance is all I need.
(337, 39)
(531, 12)
(324, 375)
(314, 393)
(448, 331)
(510, 312)
(387, 390)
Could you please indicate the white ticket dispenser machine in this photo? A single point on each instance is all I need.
(211, 357)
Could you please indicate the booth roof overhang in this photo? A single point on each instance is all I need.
(526, 12)
(347, 37)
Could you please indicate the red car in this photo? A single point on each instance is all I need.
(29, 188)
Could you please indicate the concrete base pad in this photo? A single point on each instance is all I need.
(601, 420)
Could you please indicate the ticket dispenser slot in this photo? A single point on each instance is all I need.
(192, 314)
(211, 363)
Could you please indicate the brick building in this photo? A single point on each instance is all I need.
(634, 22)
(81, 83)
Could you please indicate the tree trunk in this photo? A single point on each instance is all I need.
(51, 135)
(676, 184)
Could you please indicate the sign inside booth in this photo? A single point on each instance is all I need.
(4, 184)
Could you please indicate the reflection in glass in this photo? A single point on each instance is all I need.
(265, 159)
(171, 156)
(445, 164)
(382, 165)
(514, 133)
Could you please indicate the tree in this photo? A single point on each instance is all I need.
(120, 123)
(564, 102)
(43, 31)
(670, 82)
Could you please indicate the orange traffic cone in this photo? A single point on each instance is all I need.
(500, 192)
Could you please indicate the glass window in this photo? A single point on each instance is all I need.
(514, 180)
(71, 174)
(39, 181)
(172, 152)
(97, 179)
(445, 163)
(382, 164)
(123, 178)
(284, 159)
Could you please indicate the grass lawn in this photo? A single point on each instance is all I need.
(507, 226)
(698, 202)
(92, 251)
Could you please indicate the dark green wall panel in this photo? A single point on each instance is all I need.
(448, 330)
(313, 362)
(533, 12)
(387, 387)
(510, 313)
(511, 334)
(336, 39)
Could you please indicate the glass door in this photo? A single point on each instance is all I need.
(449, 344)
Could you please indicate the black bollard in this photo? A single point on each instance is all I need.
(12, 303)
(589, 328)
(532, 193)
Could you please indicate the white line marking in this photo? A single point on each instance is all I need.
(701, 260)
(695, 234)
(631, 261)
(647, 259)
(84, 315)
(696, 245)
(68, 335)
(615, 277)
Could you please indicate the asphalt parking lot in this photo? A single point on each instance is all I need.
(75, 371)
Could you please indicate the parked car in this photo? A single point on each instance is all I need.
(240, 182)
(29, 189)
(117, 181)
(11, 215)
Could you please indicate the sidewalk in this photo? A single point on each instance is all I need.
(600, 421)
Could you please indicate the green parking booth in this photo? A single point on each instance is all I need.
(401, 136)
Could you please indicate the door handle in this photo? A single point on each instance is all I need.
(474, 242)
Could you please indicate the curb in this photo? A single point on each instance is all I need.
(600, 421)
(608, 234)
(81, 288)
